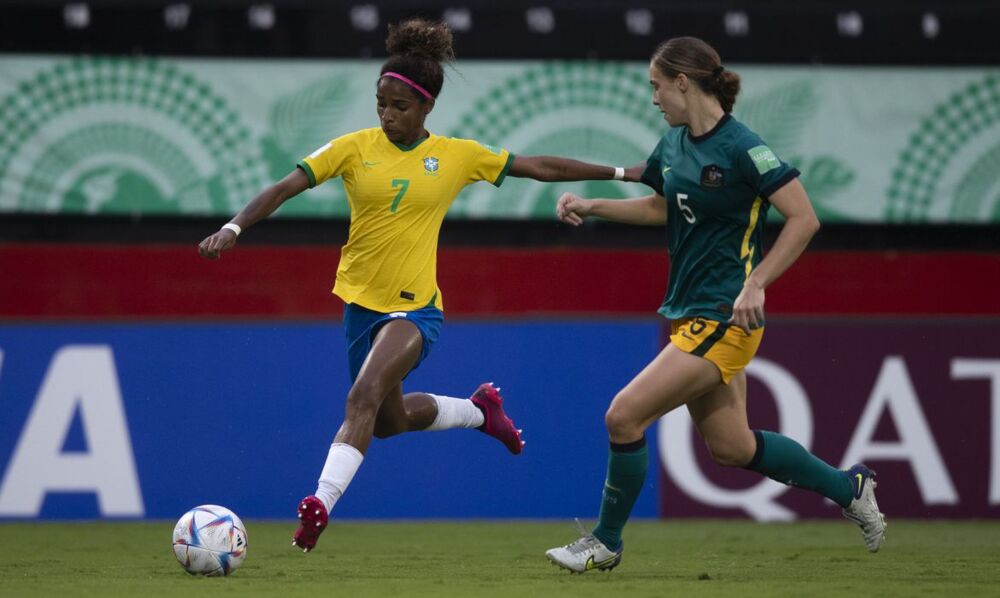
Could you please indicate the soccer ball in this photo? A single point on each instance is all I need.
(210, 540)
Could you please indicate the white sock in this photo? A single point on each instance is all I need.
(456, 413)
(342, 462)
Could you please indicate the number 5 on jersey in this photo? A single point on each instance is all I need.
(403, 185)
(685, 210)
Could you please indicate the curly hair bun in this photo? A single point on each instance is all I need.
(419, 38)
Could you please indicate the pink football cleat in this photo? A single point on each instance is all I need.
(498, 425)
(312, 521)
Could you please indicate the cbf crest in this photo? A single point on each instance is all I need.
(430, 166)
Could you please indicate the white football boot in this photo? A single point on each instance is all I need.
(585, 554)
(863, 509)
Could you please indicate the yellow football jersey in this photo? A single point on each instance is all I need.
(398, 196)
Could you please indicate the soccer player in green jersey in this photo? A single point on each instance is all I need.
(713, 180)
(400, 180)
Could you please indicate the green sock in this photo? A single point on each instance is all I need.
(784, 460)
(627, 464)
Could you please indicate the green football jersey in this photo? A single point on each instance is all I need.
(716, 187)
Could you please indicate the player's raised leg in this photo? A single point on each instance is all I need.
(424, 411)
(720, 417)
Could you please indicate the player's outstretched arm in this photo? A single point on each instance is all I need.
(553, 168)
(649, 210)
(260, 207)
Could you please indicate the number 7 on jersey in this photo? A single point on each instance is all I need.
(403, 185)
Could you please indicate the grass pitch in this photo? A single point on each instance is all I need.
(473, 559)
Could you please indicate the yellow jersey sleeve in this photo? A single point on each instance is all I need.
(331, 159)
(486, 162)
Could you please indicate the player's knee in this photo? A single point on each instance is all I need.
(364, 398)
(619, 423)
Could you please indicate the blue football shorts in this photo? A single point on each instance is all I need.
(362, 324)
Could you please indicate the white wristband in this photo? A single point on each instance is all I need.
(619, 174)
(233, 227)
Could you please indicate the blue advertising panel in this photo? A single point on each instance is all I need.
(148, 420)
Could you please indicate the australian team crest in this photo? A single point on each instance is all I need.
(431, 165)
(711, 176)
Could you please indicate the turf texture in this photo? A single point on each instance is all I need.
(473, 559)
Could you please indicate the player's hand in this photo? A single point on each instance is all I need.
(215, 244)
(572, 209)
(748, 309)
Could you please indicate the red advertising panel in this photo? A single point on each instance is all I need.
(56, 281)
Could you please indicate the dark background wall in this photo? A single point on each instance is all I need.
(772, 31)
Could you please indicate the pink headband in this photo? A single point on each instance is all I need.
(409, 82)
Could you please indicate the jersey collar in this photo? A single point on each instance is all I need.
(707, 135)
(407, 148)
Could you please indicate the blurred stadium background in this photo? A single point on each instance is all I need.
(137, 380)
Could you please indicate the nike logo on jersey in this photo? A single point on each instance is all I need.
(861, 481)
(666, 169)
(370, 164)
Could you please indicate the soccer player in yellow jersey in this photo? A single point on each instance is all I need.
(400, 180)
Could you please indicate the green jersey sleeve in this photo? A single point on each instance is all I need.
(763, 168)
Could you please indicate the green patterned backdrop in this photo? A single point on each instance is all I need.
(169, 137)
